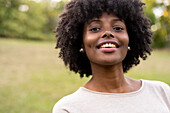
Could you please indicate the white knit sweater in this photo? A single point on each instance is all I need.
(152, 97)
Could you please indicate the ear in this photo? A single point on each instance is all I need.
(82, 46)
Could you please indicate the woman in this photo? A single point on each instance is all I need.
(105, 38)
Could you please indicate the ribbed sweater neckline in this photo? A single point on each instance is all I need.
(116, 94)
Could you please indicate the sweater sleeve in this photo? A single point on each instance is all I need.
(62, 106)
(59, 109)
(163, 90)
(166, 90)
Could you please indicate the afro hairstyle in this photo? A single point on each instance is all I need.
(69, 31)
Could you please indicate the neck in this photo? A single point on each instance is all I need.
(108, 79)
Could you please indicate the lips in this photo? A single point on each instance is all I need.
(108, 44)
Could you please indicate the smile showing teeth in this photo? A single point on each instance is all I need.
(108, 45)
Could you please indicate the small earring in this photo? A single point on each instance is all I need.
(82, 50)
(128, 48)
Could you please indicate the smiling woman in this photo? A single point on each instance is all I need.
(105, 42)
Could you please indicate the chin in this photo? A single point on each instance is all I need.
(110, 62)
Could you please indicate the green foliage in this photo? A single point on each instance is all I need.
(160, 25)
(162, 35)
(40, 19)
(149, 13)
(29, 19)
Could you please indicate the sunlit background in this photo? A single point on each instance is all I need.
(33, 78)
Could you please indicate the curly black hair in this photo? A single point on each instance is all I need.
(78, 12)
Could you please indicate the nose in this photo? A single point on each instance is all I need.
(107, 34)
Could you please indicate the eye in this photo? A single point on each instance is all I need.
(118, 29)
(95, 29)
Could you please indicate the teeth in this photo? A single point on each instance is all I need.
(108, 45)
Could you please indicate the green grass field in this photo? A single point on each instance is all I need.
(33, 78)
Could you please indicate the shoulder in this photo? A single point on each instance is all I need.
(159, 88)
(61, 105)
(157, 85)
(68, 102)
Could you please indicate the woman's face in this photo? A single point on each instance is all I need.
(105, 40)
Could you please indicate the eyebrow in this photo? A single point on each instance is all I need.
(93, 21)
(117, 19)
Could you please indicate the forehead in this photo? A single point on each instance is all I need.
(105, 17)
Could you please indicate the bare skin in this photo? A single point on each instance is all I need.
(111, 81)
(106, 64)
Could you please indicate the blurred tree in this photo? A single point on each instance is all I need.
(29, 19)
(148, 10)
(8, 15)
(52, 11)
(162, 34)
(159, 12)
(21, 19)
(32, 21)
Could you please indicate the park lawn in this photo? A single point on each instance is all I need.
(33, 78)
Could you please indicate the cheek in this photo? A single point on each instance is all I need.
(125, 43)
(125, 40)
(88, 41)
